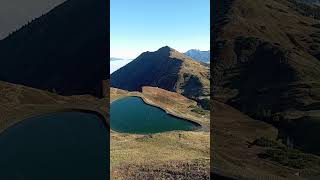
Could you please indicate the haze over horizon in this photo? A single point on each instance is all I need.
(142, 26)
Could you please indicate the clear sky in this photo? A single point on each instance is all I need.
(146, 25)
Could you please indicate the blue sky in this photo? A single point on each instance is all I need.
(137, 26)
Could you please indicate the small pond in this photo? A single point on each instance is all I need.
(133, 115)
(62, 145)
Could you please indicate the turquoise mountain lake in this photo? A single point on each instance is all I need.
(133, 115)
(62, 145)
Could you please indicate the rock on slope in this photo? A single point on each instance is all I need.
(64, 50)
(167, 69)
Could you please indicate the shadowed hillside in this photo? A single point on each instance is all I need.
(167, 69)
(266, 64)
(63, 51)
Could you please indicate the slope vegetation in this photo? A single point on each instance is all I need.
(266, 69)
(267, 64)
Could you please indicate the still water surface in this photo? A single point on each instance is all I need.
(64, 145)
(133, 115)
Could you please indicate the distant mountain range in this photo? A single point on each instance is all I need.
(202, 56)
(64, 50)
(167, 69)
(16, 13)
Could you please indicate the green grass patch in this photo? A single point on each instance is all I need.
(276, 151)
(293, 158)
(198, 110)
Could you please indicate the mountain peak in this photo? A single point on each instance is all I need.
(166, 49)
(165, 68)
(170, 52)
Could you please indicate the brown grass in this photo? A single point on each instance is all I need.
(20, 102)
(161, 155)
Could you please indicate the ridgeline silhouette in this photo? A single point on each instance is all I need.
(63, 51)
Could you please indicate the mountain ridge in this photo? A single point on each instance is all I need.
(165, 68)
(61, 45)
(20, 13)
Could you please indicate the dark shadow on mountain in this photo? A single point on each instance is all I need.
(64, 51)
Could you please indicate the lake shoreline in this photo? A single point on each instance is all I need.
(82, 110)
(199, 125)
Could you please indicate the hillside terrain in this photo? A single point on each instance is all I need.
(266, 65)
(245, 148)
(167, 69)
(19, 102)
(62, 51)
(169, 155)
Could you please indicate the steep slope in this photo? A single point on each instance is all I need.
(266, 61)
(167, 69)
(201, 56)
(242, 149)
(63, 50)
(15, 13)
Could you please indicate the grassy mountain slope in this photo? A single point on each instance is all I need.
(167, 69)
(267, 64)
(245, 148)
(64, 50)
